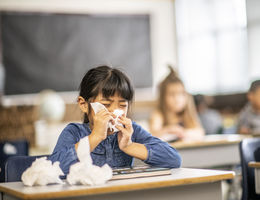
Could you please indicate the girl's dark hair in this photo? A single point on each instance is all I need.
(254, 86)
(107, 81)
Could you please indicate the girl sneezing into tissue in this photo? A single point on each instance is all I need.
(105, 96)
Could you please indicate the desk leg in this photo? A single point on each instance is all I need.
(8, 197)
(257, 180)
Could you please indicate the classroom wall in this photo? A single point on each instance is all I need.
(253, 32)
(163, 42)
(163, 39)
(163, 50)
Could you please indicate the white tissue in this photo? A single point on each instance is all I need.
(84, 172)
(118, 112)
(42, 172)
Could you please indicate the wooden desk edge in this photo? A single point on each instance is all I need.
(223, 140)
(254, 164)
(120, 188)
(184, 145)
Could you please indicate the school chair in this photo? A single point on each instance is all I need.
(249, 149)
(8, 149)
(16, 165)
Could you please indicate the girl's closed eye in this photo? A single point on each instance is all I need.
(107, 105)
(123, 105)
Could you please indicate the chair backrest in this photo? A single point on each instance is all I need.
(16, 165)
(248, 149)
(8, 149)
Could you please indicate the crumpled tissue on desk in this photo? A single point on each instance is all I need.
(84, 172)
(42, 172)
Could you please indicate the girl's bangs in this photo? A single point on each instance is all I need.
(115, 84)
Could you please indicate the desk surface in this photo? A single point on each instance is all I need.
(179, 177)
(211, 140)
(254, 164)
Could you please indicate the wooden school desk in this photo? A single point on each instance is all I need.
(256, 165)
(212, 151)
(182, 184)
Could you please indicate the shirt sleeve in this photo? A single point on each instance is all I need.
(65, 151)
(160, 154)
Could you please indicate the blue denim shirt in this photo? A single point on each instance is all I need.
(160, 154)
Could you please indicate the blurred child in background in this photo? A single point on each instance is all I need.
(211, 120)
(249, 118)
(176, 114)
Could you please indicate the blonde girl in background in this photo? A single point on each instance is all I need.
(175, 116)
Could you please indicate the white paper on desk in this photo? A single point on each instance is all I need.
(84, 172)
(118, 112)
(168, 137)
(42, 172)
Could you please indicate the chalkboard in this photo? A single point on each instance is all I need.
(54, 51)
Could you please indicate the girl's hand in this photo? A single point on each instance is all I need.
(125, 133)
(100, 123)
(244, 130)
(177, 130)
